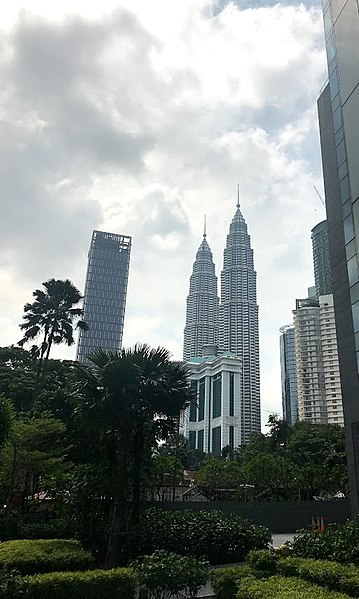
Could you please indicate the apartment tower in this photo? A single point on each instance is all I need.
(288, 374)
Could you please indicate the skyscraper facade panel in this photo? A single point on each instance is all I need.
(321, 259)
(288, 374)
(338, 108)
(105, 293)
(238, 317)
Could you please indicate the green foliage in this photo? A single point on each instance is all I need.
(119, 583)
(218, 538)
(34, 525)
(263, 561)
(224, 581)
(6, 418)
(11, 585)
(43, 555)
(178, 446)
(334, 576)
(278, 587)
(164, 575)
(339, 544)
(220, 480)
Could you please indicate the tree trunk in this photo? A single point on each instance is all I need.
(137, 459)
(46, 359)
(118, 513)
(39, 367)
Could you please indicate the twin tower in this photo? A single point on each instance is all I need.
(229, 324)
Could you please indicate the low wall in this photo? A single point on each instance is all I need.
(280, 517)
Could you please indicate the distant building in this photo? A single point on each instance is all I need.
(213, 420)
(288, 374)
(321, 259)
(202, 309)
(238, 318)
(105, 293)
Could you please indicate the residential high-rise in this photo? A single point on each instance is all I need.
(321, 259)
(309, 363)
(332, 385)
(288, 374)
(238, 319)
(338, 108)
(105, 293)
(213, 420)
(202, 305)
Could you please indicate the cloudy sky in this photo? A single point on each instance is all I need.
(139, 118)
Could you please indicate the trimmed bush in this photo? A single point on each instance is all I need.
(164, 575)
(339, 577)
(278, 587)
(35, 526)
(210, 535)
(224, 581)
(94, 584)
(44, 555)
(263, 561)
(337, 543)
(11, 586)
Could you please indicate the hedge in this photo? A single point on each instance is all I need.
(210, 535)
(339, 577)
(119, 583)
(44, 555)
(278, 587)
(337, 543)
(224, 581)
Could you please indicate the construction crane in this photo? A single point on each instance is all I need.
(319, 196)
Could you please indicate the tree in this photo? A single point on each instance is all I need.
(53, 314)
(220, 479)
(131, 394)
(165, 471)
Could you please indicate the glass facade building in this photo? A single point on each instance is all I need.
(105, 293)
(321, 259)
(288, 374)
(338, 109)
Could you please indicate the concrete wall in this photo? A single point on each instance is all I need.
(280, 517)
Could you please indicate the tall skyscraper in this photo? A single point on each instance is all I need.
(238, 318)
(202, 305)
(288, 374)
(332, 384)
(105, 293)
(338, 108)
(321, 259)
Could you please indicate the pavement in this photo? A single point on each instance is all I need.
(206, 591)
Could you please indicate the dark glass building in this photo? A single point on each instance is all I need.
(338, 108)
(105, 293)
(288, 374)
(321, 260)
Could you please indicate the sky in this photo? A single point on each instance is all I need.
(139, 118)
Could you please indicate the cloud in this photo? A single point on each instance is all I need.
(142, 120)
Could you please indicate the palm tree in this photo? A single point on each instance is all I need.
(53, 314)
(131, 394)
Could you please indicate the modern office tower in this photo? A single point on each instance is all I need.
(105, 293)
(202, 305)
(332, 385)
(338, 108)
(238, 319)
(288, 374)
(321, 259)
(213, 420)
(308, 352)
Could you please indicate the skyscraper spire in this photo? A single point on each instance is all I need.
(238, 317)
(205, 227)
(238, 205)
(202, 304)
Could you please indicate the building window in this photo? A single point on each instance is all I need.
(231, 436)
(201, 398)
(216, 441)
(217, 391)
(231, 393)
(192, 439)
(200, 440)
(193, 404)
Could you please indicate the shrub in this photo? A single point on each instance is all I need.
(39, 525)
(339, 577)
(337, 543)
(11, 585)
(107, 584)
(224, 581)
(164, 575)
(43, 555)
(277, 587)
(219, 539)
(263, 561)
